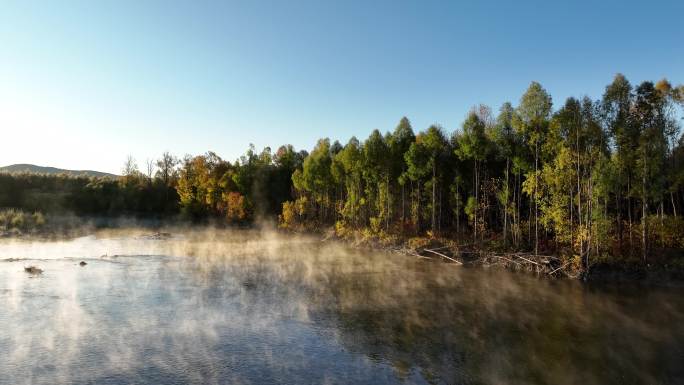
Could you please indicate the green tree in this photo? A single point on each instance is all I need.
(316, 177)
(472, 144)
(376, 172)
(616, 104)
(531, 120)
(399, 143)
(506, 141)
(435, 144)
(650, 120)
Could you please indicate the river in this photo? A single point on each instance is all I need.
(250, 307)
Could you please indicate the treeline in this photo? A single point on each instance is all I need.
(134, 195)
(254, 186)
(198, 188)
(592, 177)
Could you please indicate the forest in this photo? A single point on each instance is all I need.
(585, 178)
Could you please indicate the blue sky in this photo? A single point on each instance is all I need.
(84, 84)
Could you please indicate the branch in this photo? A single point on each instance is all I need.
(443, 256)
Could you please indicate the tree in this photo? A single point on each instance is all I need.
(670, 97)
(473, 144)
(435, 144)
(531, 120)
(130, 167)
(418, 168)
(316, 176)
(149, 168)
(376, 172)
(650, 121)
(616, 104)
(505, 139)
(166, 168)
(347, 170)
(399, 143)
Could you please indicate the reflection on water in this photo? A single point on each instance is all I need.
(256, 308)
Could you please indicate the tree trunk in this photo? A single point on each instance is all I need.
(619, 219)
(403, 204)
(387, 197)
(506, 208)
(439, 217)
(572, 222)
(536, 205)
(477, 202)
(518, 230)
(434, 182)
(458, 212)
(579, 201)
(629, 211)
(644, 220)
(587, 222)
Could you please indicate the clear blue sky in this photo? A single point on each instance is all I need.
(84, 84)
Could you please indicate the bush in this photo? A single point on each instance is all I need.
(288, 218)
(667, 231)
(14, 220)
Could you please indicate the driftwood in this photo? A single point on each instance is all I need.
(506, 258)
(540, 264)
(416, 255)
(528, 260)
(439, 248)
(560, 268)
(442, 255)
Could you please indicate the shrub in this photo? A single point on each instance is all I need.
(16, 220)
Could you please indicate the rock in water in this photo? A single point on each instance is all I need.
(33, 270)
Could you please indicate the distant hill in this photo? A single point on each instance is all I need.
(33, 169)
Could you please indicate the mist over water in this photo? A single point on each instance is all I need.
(255, 307)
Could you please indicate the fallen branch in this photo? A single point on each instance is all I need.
(443, 256)
(528, 260)
(440, 248)
(559, 268)
(417, 255)
(508, 259)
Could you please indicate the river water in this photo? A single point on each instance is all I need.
(221, 307)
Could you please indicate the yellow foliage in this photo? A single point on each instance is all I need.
(236, 207)
(288, 216)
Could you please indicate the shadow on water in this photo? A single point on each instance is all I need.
(255, 307)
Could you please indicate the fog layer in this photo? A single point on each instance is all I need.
(220, 306)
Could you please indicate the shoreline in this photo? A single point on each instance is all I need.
(543, 266)
(438, 250)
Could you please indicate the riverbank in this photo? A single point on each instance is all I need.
(662, 265)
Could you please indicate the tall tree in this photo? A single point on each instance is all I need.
(531, 120)
(505, 139)
(166, 168)
(399, 143)
(472, 144)
(435, 144)
(376, 172)
(616, 103)
(649, 118)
